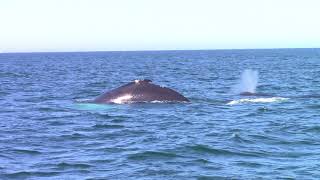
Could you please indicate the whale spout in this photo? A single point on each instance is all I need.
(248, 82)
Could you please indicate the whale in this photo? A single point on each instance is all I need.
(140, 91)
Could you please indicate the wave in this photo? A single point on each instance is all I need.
(107, 126)
(65, 165)
(26, 151)
(205, 149)
(153, 155)
(30, 174)
(257, 100)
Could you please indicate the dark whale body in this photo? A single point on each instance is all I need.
(140, 91)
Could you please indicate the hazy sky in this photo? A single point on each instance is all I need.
(88, 25)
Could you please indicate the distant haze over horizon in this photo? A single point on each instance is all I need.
(126, 25)
(154, 50)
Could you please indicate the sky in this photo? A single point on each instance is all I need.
(122, 25)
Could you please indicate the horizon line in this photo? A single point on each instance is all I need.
(155, 50)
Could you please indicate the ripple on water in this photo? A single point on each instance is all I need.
(46, 134)
(153, 155)
(64, 165)
(107, 126)
(26, 151)
(240, 139)
(313, 129)
(224, 152)
(250, 164)
(30, 174)
(73, 136)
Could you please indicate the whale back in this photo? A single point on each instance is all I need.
(140, 91)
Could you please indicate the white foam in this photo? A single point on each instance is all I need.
(83, 100)
(257, 100)
(166, 101)
(122, 99)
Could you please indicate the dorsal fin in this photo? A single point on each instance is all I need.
(142, 81)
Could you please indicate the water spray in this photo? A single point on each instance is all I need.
(248, 82)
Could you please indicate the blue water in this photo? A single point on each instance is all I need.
(45, 134)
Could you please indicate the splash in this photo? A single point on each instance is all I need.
(258, 100)
(92, 107)
(248, 82)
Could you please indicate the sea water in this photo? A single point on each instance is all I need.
(47, 133)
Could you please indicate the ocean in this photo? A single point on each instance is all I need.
(45, 133)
